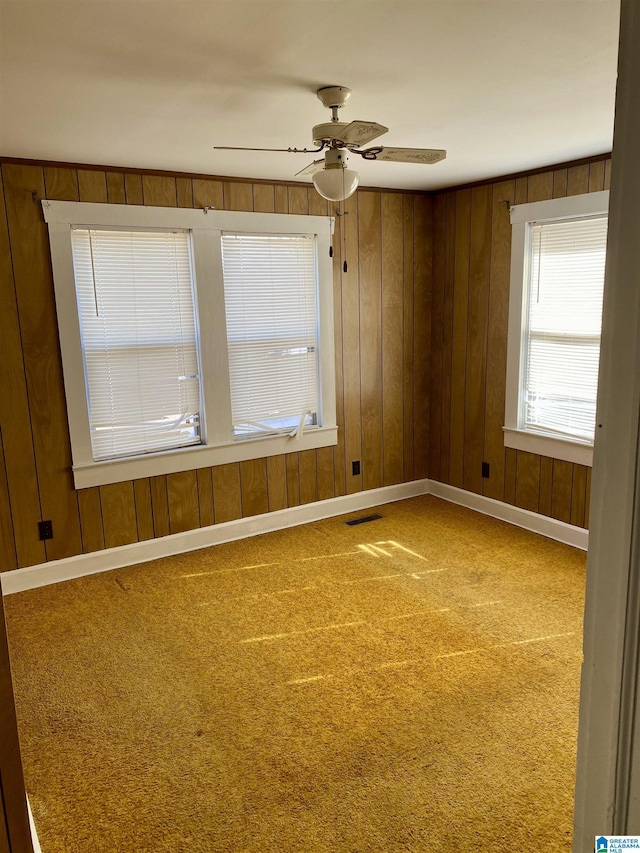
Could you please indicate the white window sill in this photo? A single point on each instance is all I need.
(548, 445)
(202, 456)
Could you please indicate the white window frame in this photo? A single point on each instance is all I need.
(522, 215)
(205, 227)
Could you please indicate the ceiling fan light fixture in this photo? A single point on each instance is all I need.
(336, 184)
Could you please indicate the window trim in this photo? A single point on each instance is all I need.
(207, 259)
(533, 441)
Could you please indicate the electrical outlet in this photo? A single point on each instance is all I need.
(45, 529)
(355, 468)
(485, 470)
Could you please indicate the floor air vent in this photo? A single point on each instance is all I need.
(363, 520)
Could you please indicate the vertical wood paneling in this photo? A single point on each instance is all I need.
(205, 497)
(391, 221)
(207, 193)
(15, 417)
(370, 338)
(503, 195)
(546, 485)
(8, 558)
(298, 200)
(293, 479)
(227, 497)
(144, 511)
(478, 307)
(578, 495)
(510, 473)
(264, 199)
(277, 482)
(133, 188)
(351, 341)
(118, 514)
(447, 339)
(184, 192)
(159, 505)
(308, 469)
(92, 185)
(90, 507)
(238, 196)
(40, 347)
(253, 480)
(408, 450)
(115, 188)
(339, 453)
(182, 494)
(540, 187)
(527, 480)
(159, 190)
(437, 334)
(460, 316)
(587, 499)
(560, 183)
(578, 179)
(422, 263)
(281, 199)
(561, 490)
(420, 331)
(596, 176)
(326, 473)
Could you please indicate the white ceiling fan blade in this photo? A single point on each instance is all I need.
(361, 132)
(285, 150)
(312, 168)
(409, 155)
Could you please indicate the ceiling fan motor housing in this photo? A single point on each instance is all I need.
(328, 132)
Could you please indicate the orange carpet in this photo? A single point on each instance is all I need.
(410, 684)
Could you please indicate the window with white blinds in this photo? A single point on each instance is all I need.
(270, 293)
(564, 322)
(558, 253)
(138, 331)
(191, 338)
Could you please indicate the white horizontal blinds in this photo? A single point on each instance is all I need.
(270, 289)
(137, 318)
(565, 318)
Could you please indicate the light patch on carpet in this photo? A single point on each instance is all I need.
(415, 575)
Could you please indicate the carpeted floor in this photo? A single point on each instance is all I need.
(410, 684)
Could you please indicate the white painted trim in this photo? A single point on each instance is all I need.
(585, 204)
(542, 524)
(55, 571)
(200, 456)
(549, 445)
(32, 826)
(607, 800)
(178, 543)
(522, 215)
(219, 446)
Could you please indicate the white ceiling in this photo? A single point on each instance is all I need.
(503, 85)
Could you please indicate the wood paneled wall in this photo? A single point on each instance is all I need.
(382, 334)
(470, 301)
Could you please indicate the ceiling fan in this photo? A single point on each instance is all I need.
(331, 177)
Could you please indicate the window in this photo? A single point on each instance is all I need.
(191, 338)
(555, 314)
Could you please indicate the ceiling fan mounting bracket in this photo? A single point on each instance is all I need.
(334, 97)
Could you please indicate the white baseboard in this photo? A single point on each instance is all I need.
(34, 834)
(551, 527)
(55, 571)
